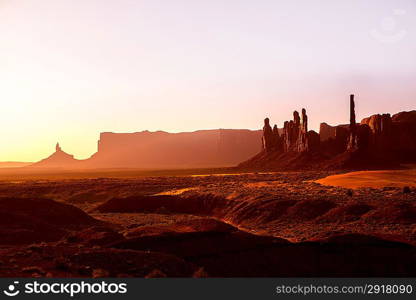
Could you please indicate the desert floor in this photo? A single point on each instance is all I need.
(217, 225)
(373, 179)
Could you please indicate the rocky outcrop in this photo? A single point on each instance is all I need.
(326, 132)
(267, 139)
(295, 136)
(379, 141)
(59, 159)
(277, 140)
(271, 139)
(29, 220)
(202, 148)
(407, 117)
(353, 140)
(164, 150)
(334, 139)
(404, 135)
(373, 136)
(305, 140)
(378, 133)
(379, 138)
(385, 137)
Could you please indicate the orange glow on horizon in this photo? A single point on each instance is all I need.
(69, 71)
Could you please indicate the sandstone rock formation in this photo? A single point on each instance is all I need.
(371, 135)
(380, 140)
(267, 138)
(334, 139)
(404, 135)
(271, 139)
(352, 143)
(59, 159)
(326, 132)
(379, 129)
(302, 141)
(164, 150)
(295, 136)
(277, 140)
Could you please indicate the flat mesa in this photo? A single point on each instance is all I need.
(371, 179)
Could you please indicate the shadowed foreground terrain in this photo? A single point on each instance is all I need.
(254, 224)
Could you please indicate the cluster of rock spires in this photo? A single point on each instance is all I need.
(295, 136)
(377, 141)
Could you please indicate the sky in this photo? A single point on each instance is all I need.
(70, 69)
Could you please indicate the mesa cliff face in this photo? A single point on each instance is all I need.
(205, 148)
(378, 141)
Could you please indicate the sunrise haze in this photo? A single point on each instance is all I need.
(72, 69)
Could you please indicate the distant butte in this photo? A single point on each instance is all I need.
(59, 159)
(164, 150)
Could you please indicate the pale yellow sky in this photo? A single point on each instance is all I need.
(72, 69)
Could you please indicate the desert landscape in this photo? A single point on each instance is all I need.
(302, 207)
(236, 225)
(207, 139)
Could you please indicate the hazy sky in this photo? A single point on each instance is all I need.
(70, 69)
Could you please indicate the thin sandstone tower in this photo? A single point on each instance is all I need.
(353, 125)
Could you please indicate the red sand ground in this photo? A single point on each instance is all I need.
(255, 224)
(372, 179)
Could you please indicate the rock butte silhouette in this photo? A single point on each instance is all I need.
(58, 159)
(379, 141)
(147, 150)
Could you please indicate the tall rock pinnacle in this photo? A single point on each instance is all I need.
(353, 126)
